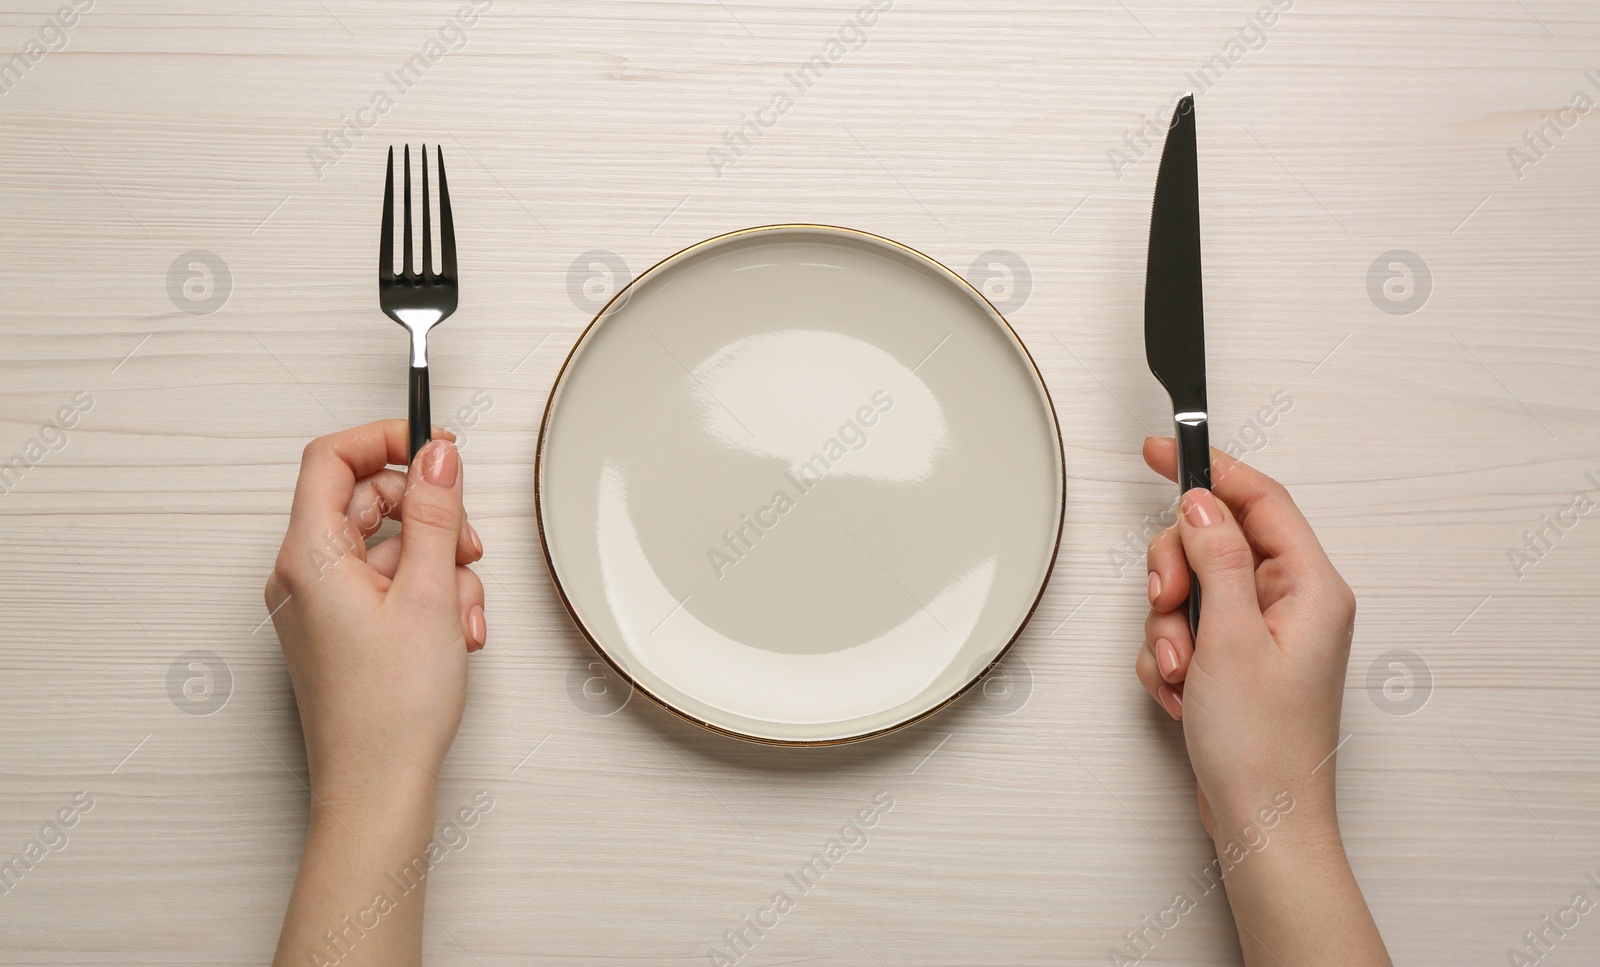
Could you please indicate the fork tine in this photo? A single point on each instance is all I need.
(447, 226)
(427, 225)
(408, 213)
(386, 241)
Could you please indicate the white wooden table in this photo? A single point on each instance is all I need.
(1436, 413)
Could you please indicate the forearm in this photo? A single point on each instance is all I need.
(358, 898)
(1296, 901)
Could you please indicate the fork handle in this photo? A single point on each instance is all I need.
(419, 410)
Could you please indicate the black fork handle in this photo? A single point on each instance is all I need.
(1194, 470)
(419, 410)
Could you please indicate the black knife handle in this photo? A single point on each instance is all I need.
(419, 410)
(1194, 470)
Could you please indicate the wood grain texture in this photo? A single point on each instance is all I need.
(1421, 445)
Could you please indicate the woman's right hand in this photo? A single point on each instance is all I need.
(1259, 697)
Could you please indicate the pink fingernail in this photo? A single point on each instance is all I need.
(1170, 700)
(440, 464)
(1200, 508)
(477, 542)
(1155, 586)
(477, 628)
(1167, 656)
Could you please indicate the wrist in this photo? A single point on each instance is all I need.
(1290, 822)
(369, 766)
(375, 789)
(1293, 894)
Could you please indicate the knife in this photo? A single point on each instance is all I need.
(1174, 320)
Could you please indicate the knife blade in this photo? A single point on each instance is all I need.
(1174, 316)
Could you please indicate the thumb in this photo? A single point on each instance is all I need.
(431, 515)
(1222, 562)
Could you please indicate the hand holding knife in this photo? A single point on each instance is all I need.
(1174, 318)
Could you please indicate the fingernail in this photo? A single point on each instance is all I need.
(1167, 658)
(1200, 508)
(1155, 586)
(440, 464)
(1170, 700)
(472, 535)
(439, 430)
(477, 629)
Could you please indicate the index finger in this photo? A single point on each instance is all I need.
(1266, 513)
(330, 467)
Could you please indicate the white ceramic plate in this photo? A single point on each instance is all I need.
(800, 484)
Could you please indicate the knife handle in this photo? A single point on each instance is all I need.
(1194, 470)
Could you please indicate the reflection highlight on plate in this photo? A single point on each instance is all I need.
(789, 395)
(743, 678)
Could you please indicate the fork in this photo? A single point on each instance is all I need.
(418, 300)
